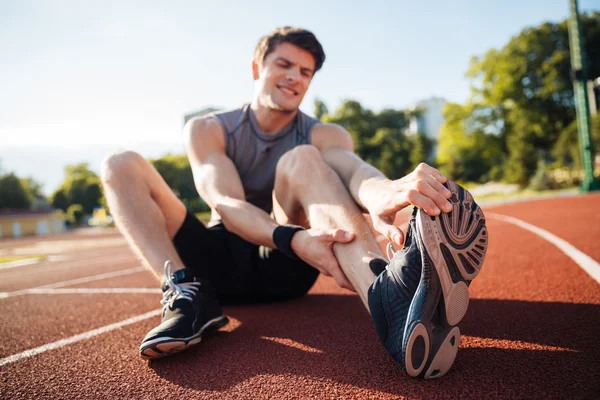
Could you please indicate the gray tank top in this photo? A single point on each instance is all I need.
(255, 154)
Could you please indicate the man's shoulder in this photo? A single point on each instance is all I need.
(216, 122)
(228, 112)
(308, 119)
(229, 118)
(327, 135)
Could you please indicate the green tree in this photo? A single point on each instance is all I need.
(389, 151)
(176, 171)
(81, 186)
(465, 150)
(541, 180)
(59, 199)
(421, 149)
(566, 151)
(378, 138)
(13, 194)
(75, 214)
(527, 88)
(358, 121)
(320, 109)
(34, 190)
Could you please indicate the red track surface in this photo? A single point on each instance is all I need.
(531, 331)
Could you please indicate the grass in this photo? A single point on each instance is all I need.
(6, 259)
(526, 194)
(204, 216)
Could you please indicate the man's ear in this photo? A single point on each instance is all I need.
(255, 69)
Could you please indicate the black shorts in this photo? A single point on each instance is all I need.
(240, 271)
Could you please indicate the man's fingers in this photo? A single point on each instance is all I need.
(415, 198)
(342, 236)
(425, 188)
(396, 235)
(429, 170)
(441, 189)
(390, 231)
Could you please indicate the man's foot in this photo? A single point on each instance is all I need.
(421, 296)
(190, 310)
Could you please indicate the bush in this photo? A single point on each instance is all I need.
(541, 180)
(75, 214)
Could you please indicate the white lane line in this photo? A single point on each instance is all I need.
(77, 338)
(93, 290)
(94, 278)
(75, 281)
(55, 266)
(587, 263)
(20, 263)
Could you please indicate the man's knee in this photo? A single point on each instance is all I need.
(120, 166)
(301, 164)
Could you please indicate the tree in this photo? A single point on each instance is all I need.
(34, 190)
(75, 214)
(566, 151)
(59, 199)
(465, 150)
(176, 171)
(378, 138)
(421, 150)
(13, 194)
(320, 109)
(389, 152)
(81, 186)
(527, 87)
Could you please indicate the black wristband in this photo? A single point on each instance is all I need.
(282, 237)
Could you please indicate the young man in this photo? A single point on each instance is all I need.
(287, 194)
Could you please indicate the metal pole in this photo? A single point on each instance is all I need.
(581, 101)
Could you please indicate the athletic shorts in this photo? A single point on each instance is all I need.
(241, 272)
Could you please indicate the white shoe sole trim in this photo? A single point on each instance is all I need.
(187, 342)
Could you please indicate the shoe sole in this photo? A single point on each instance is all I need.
(453, 247)
(166, 346)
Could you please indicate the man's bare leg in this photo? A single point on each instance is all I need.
(308, 190)
(145, 209)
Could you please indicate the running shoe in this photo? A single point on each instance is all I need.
(190, 311)
(417, 301)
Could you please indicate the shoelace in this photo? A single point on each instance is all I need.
(389, 250)
(185, 290)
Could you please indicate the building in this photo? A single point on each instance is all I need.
(17, 223)
(430, 118)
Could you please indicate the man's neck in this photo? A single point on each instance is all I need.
(271, 121)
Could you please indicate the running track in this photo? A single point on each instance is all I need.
(532, 329)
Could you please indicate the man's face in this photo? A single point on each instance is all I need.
(283, 78)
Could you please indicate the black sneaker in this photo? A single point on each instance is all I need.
(417, 301)
(190, 310)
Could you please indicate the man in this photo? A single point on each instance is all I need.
(286, 193)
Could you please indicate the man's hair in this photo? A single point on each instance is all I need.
(297, 36)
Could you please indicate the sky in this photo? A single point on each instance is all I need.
(79, 73)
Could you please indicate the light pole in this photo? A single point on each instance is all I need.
(581, 101)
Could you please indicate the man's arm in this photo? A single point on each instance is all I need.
(219, 183)
(337, 148)
(380, 196)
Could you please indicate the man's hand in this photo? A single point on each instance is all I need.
(314, 246)
(422, 188)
